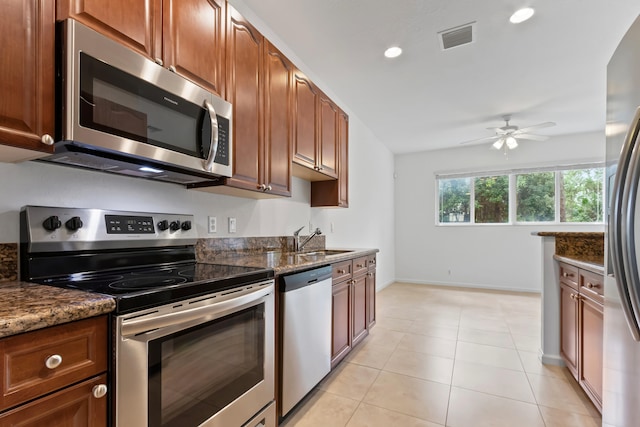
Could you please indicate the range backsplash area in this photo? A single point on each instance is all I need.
(8, 261)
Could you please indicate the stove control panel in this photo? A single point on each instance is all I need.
(51, 229)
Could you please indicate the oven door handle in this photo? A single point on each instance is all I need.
(205, 313)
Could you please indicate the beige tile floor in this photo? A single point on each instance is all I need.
(448, 357)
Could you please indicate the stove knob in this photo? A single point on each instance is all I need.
(163, 225)
(175, 225)
(186, 225)
(74, 224)
(52, 223)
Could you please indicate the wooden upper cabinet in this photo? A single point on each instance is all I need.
(27, 37)
(328, 127)
(278, 120)
(335, 193)
(134, 23)
(244, 69)
(186, 36)
(193, 40)
(305, 112)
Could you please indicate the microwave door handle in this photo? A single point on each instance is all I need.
(618, 228)
(213, 147)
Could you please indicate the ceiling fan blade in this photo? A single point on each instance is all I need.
(538, 126)
(486, 139)
(533, 137)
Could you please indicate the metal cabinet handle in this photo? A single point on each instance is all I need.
(53, 361)
(341, 271)
(359, 265)
(158, 61)
(591, 285)
(262, 187)
(567, 274)
(47, 139)
(99, 391)
(268, 187)
(172, 68)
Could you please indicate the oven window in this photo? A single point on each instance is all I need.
(195, 373)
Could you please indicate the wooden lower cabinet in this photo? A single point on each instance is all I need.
(341, 330)
(75, 406)
(55, 376)
(581, 328)
(569, 327)
(353, 304)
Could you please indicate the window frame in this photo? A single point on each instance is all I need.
(512, 198)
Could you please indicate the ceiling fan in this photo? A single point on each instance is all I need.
(508, 135)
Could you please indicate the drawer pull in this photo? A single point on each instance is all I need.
(99, 391)
(565, 274)
(359, 265)
(341, 271)
(591, 285)
(53, 362)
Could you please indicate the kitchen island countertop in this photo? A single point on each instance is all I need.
(26, 306)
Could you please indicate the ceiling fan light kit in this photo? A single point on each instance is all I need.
(521, 15)
(509, 134)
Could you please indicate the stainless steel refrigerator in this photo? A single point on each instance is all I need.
(621, 374)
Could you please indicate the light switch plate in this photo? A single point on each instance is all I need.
(232, 225)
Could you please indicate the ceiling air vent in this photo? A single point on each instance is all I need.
(457, 36)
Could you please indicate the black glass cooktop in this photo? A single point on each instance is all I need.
(140, 288)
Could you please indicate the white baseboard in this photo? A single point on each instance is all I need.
(469, 285)
(550, 359)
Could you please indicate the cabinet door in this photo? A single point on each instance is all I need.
(278, 121)
(343, 160)
(193, 40)
(304, 137)
(359, 292)
(370, 281)
(244, 70)
(569, 327)
(134, 23)
(328, 138)
(27, 84)
(74, 406)
(341, 322)
(591, 362)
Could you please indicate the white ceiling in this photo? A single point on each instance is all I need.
(550, 68)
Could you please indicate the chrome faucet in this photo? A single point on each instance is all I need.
(297, 246)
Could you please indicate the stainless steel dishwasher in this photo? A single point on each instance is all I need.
(306, 333)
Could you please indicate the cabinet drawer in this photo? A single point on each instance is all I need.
(81, 348)
(591, 284)
(371, 261)
(359, 265)
(342, 271)
(569, 275)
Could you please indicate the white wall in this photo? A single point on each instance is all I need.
(503, 257)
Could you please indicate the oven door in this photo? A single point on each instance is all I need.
(208, 361)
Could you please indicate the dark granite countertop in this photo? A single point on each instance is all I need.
(27, 306)
(569, 233)
(287, 262)
(592, 263)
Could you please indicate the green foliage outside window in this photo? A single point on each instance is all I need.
(492, 199)
(535, 197)
(581, 195)
(455, 198)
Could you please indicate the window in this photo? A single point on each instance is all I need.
(455, 198)
(535, 194)
(491, 199)
(581, 195)
(570, 195)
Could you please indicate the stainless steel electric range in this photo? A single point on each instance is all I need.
(192, 343)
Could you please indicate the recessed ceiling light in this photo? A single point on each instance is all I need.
(393, 52)
(521, 15)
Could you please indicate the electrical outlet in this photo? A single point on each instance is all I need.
(213, 224)
(232, 225)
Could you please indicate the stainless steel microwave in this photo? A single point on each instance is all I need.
(124, 113)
